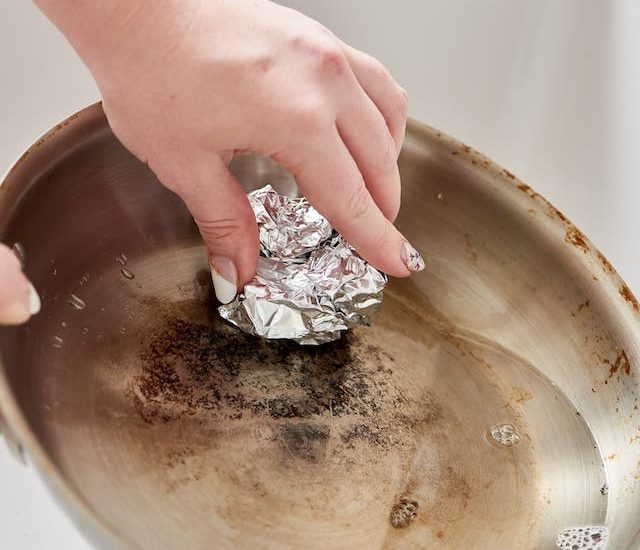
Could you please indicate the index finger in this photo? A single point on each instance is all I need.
(328, 176)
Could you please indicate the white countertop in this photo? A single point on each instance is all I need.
(550, 90)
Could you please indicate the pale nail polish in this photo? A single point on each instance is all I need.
(24, 307)
(225, 278)
(34, 300)
(411, 258)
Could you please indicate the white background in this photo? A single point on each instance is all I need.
(549, 89)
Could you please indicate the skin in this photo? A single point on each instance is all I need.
(186, 84)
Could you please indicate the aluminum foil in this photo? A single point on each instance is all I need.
(310, 285)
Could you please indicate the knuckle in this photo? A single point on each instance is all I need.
(323, 52)
(358, 202)
(331, 60)
(226, 228)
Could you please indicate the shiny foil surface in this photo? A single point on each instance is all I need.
(310, 285)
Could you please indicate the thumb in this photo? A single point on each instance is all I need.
(18, 299)
(221, 210)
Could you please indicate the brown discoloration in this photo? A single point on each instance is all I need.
(195, 369)
(529, 191)
(581, 307)
(524, 188)
(621, 365)
(606, 266)
(626, 293)
(404, 512)
(520, 396)
(575, 237)
(508, 174)
(555, 212)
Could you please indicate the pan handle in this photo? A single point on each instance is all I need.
(15, 446)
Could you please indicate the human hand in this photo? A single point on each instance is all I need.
(186, 84)
(18, 299)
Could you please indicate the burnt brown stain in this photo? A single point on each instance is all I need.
(524, 188)
(306, 441)
(214, 372)
(508, 174)
(527, 190)
(465, 148)
(520, 396)
(576, 238)
(582, 306)
(626, 293)
(558, 214)
(605, 263)
(621, 364)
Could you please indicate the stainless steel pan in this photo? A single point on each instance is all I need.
(497, 391)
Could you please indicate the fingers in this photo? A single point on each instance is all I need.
(364, 132)
(221, 210)
(329, 177)
(18, 299)
(390, 99)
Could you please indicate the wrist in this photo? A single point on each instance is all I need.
(110, 35)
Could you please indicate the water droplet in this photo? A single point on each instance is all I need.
(122, 260)
(440, 196)
(591, 537)
(84, 279)
(505, 434)
(57, 342)
(63, 324)
(604, 490)
(85, 330)
(128, 274)
(18, 250)
(123, 330)
(76, 302)
(55, 271)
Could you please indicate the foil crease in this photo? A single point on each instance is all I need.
(310, 285)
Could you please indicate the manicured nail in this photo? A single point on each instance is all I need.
(225, 278)
(34, 300)
(411, 258)
(25, 306)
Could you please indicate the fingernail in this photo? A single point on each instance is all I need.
(24, 307)
(34, 300)
(224, 277)
(411, 258)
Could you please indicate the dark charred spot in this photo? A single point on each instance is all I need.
(304, 441)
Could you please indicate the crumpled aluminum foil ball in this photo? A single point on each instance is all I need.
(310, 285)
